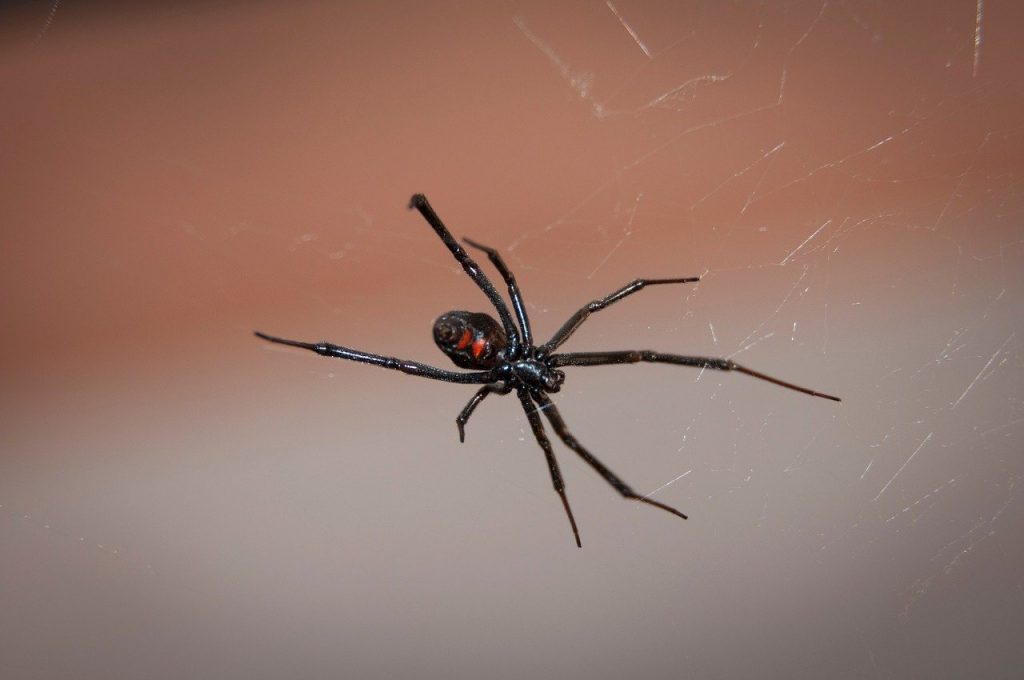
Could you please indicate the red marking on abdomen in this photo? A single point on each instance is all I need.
(464, 340)
(478, 347)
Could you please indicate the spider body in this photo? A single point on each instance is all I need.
(476, 340)
(535, 374)
(471, 339)
(503, 358)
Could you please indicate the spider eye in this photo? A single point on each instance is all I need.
(555, 380)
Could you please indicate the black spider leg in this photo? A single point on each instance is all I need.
(562, 431)
(542, 439)
(513, 289)
(419, 202)
(577, 319)
(410, 367)
(635, 356)
(463, 417)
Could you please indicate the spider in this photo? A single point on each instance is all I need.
(503, 358)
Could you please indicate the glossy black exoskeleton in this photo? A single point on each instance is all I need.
(503, 358)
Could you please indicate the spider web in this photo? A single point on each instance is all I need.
(844, 176)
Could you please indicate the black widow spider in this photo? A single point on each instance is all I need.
(506, 358)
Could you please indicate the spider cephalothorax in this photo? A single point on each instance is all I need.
(506, 360)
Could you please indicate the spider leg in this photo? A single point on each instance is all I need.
(513, 288)
(542, 439)
(635, 356)
(562, 431)
(419, 202)
(577, 319)
(481, 393)
(409, 367)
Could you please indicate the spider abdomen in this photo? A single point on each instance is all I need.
(470, 339)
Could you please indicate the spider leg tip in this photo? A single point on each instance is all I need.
(677, 513)
(269, 338)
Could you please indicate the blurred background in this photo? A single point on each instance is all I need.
(179, 499)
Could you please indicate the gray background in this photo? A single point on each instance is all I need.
(178, 499)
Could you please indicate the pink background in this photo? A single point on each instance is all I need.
(179, 499)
